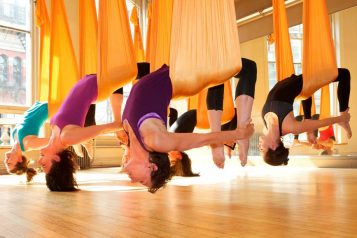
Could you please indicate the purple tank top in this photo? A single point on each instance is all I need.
(149, 98)
(74, 108)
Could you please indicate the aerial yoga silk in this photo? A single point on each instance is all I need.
(138, 41)
(148, 32)
(160, 33)
(204, 45)
(63, 65)
(319, 60)
(88, 34)
(117, 64)
(43, 22)
(283, 53)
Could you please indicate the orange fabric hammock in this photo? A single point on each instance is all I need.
(148, 33)
(283, 54)
(138, 41)
(160, 33)
(319, 61)
(204, 45)
(43, 22)
(198, 102)
(63, 65)
(117, 64)
(88, 34)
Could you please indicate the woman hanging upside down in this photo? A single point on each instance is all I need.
(279, 120)
(144, 120)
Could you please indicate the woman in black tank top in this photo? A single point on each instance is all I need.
(279, 119)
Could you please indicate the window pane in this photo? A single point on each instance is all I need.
(15, 62)
(15, 14)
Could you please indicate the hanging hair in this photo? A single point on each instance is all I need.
(163, 174)
(61, 176)
(182, 167)
(22, 167)
(277, 157)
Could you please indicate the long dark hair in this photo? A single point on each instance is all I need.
(163, 174)
(277, 157)
(182, 167)
(61, 176)
(22, 167)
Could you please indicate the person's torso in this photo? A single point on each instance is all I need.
(149, 98)
(74, 108)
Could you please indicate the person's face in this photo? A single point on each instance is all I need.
(139, 170)
(11, 159)
(266, 143)
(46, 159)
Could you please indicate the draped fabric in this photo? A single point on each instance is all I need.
(325, 102)
(319, 61)
(88, 34)
(138, 41)
(148, 33)
(198, 102)
(43, 22)
(63, 65)
(204, 45)
(283, 53)
(160, 33)
(117, 64)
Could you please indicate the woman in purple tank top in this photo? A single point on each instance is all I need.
(145, 122)
(68, 129)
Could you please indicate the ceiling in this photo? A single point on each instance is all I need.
(262, 25)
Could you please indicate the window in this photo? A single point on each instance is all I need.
(15, 53)
(15, 63)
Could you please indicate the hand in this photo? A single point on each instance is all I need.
(345, 116)
(311, 137)
(245, 132)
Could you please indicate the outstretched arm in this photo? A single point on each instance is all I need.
(33, 142)
(71, 135)
(163, 141)
(297, 127)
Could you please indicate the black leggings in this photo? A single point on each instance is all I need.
(246, 86)
(343, 93)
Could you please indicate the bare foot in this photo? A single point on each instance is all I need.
(89, 146)
(346, 125)
(228, 151)
(243, 151)
(78, 150)
(218, 156)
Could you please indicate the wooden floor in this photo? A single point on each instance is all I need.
(234, 202)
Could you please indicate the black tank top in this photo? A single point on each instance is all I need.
(281, 98)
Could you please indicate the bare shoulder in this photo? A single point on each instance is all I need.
(271, 118)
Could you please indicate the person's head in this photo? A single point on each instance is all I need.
(153, 172)
(59, 169)
(181, 164)
(18, 165)
(276, 157)
(266, 142)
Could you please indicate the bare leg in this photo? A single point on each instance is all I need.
(116, 101)
(244, 104)
(214, 117)
(89, 147)
(346, 126)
